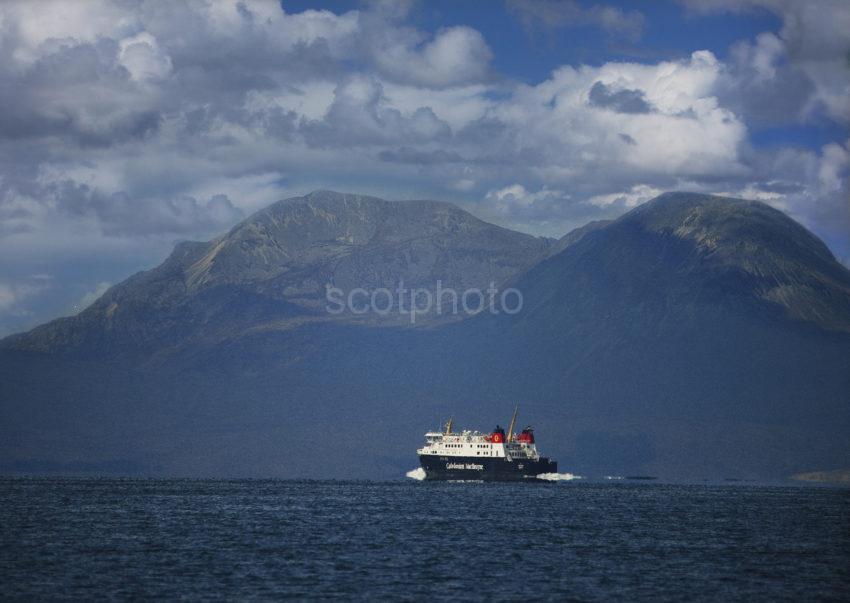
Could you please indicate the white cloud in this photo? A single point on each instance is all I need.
(361, 115)
(834, 167)
(515, 193)
(639, 193)
(686, 132)
(456, 56)
(143, 57)
(42, 25)
(815, 38)
(309, 100)
(458, 106)
(762, 56)
(91, 296)
(453, 56)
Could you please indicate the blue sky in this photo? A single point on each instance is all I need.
(128, 126)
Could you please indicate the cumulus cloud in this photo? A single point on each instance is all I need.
(118, 214)
(762, 84)
(667, 124)
(455, 56)
(360, 115)
(143, 58)
(808, 59)
(634, 196)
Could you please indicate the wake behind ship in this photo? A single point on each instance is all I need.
(472, 455)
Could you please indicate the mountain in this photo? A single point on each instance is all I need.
(703, 335)
(686, 250)
(272, 269)
(694, 337)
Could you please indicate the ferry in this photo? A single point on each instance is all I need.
(477, 456)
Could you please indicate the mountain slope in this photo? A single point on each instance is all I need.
(693, 337)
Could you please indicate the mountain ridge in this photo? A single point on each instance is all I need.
(281, 257)
(193, 266)
(658, 343)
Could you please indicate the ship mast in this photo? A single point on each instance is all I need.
(513, 422)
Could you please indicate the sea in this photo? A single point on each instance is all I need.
(568, 539)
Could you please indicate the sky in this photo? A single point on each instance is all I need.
(127, 126)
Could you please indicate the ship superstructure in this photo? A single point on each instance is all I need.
(472, 455)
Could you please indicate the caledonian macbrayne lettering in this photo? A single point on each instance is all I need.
(470, 466)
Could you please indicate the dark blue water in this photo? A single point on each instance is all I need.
(89, 539)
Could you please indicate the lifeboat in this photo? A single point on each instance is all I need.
(526, 436)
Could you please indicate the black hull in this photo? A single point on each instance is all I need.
(484, 469)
